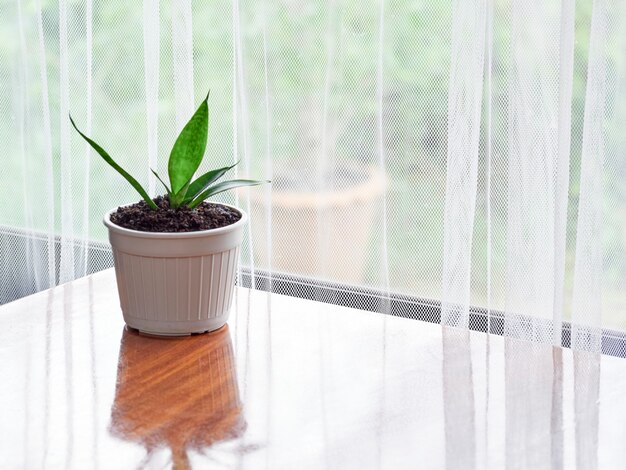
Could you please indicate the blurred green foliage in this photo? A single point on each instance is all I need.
(311, 67)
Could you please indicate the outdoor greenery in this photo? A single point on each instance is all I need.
(305, 96)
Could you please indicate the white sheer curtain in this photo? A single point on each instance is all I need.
(552, 163)
(463, 151)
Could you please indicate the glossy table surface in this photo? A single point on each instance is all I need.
(293, 384)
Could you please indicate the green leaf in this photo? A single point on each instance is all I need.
(204, 181)
(107, 158)
(162, 182)
(188, 151)
(223, 186)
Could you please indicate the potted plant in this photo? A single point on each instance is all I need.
(176, 255)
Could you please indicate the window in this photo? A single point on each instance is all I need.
(344, 105)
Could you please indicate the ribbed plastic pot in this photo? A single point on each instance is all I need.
(175, 284)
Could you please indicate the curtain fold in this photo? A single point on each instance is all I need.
(67, 269)
(533, 124)
(587, 304)
(464, 116)
(151, 63)
(45, 264)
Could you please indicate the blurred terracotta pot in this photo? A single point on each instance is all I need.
(319, 233)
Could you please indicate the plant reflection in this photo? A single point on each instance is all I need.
(180, 393)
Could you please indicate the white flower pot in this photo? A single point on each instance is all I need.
(176, 283)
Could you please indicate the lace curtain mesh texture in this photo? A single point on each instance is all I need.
(465, 151)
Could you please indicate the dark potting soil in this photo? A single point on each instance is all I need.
(205, 216)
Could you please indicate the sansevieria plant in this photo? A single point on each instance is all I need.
(178, 281)
(184, 161)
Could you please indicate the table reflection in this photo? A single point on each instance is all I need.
(586, 407)
(533, 405)
(458, 400)
(197, 379)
